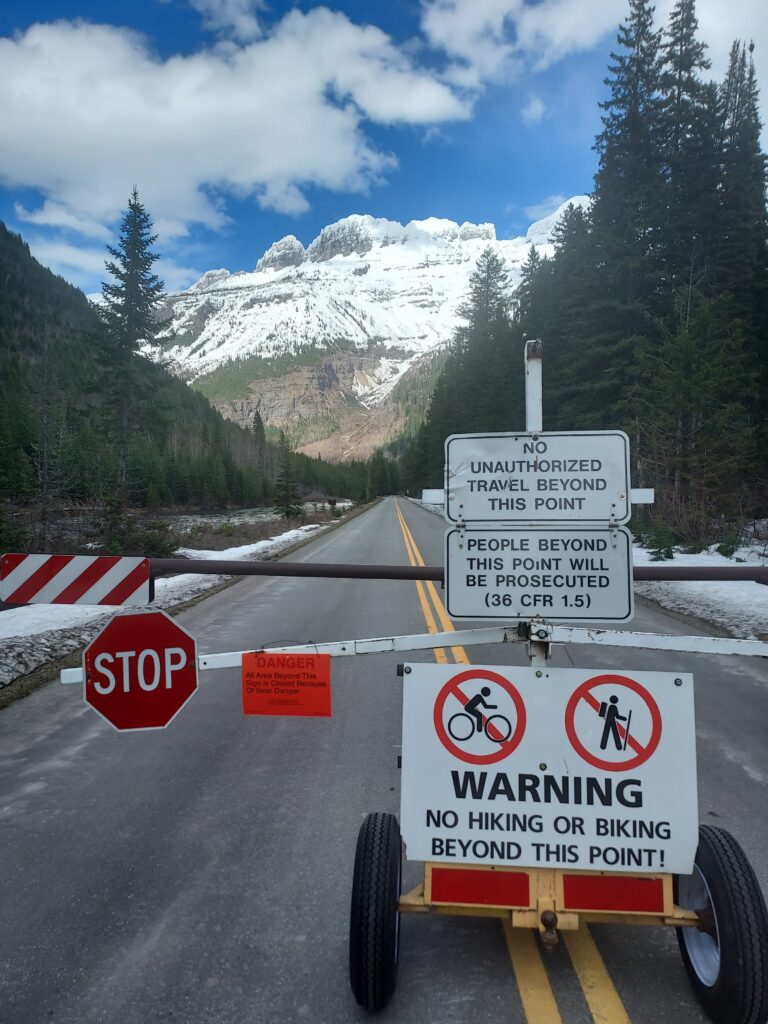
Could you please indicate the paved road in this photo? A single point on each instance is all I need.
(202, 874)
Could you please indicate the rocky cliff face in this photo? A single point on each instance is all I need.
(355, 312)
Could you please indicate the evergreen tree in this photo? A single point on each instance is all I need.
(629, 196)
(258, 430)
(128, 311)
(129, 306)
(691, 140)
(287, 499)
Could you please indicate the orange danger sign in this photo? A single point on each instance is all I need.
(287, 684)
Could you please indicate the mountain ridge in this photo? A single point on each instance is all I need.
(371, 295)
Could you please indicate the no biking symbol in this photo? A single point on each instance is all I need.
(479, 716)
(613, 722)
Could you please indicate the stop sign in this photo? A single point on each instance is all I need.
(140, 670)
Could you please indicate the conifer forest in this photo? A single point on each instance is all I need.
(653, 311)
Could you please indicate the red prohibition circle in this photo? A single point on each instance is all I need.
(507, 746)
(583, 692)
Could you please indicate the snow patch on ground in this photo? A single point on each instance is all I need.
(38, 633)
(739, 607)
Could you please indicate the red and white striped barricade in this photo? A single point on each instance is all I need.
(75, 579)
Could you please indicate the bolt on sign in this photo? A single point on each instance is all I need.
(140, 670)
(538, 478)
(286, 684)
(569, 573)
(568, 768)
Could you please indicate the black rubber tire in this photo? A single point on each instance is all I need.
(374, 925)
(737, 993)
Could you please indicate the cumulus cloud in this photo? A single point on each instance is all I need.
(533, 111)
(83, 265)
(57, 216)
(492, 40)
(234, 17)
(90, 111)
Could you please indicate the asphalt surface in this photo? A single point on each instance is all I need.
(203, 873)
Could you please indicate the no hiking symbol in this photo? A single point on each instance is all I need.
(613, 722)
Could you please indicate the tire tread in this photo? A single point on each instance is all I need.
(742, 996)
(371, 919)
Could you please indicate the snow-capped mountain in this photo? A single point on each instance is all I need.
(367, 300)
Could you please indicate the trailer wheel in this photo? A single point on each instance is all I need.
(374, 927)
(726, 957)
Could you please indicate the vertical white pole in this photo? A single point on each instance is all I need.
(534, 417)
(533, 387)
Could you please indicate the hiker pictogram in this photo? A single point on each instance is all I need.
(613, 722)
(479, 716)
(610, 712)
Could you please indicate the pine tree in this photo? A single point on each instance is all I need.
(128, 312)
(691, 140)
(629, 199)
(287, 500)
(129, 305)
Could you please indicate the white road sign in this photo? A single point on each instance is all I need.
(549, 767)
(538, 478)
(567, 573)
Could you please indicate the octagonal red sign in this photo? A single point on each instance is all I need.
(140, 670)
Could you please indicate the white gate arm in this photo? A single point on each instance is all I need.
(539, 632)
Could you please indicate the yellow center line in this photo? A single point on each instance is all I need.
(440, 655)
(599, 991)
(459, 654)
(536, 994)
(533, 984)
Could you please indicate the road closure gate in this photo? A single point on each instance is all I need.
(545, 797)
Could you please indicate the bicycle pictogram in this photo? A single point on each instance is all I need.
(479, 724)
(464, 724)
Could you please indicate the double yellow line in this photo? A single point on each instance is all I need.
(446, 626)
(533, 984)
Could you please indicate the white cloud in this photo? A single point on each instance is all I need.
(83, 265)
(63, 258)
(533, 111)
(57, 216)
(90, 110)
(475, 33)
(175, 277)
(489, 40)
(543, 209)
(237, 17)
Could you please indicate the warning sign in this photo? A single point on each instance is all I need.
(549, 767)
(479, 716)
(287, 684)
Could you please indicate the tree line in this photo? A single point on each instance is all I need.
(653, 309)
(86, 420)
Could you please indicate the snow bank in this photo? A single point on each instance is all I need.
(739, 607)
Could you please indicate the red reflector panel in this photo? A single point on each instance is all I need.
(606, 892)
(479, 888)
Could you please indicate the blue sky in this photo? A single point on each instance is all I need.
(241, 121)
